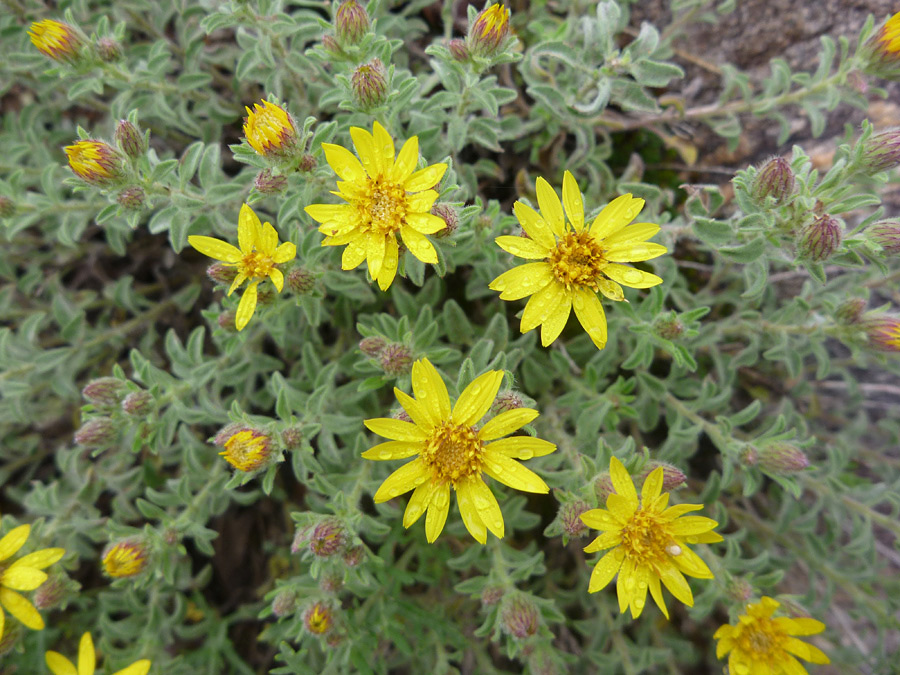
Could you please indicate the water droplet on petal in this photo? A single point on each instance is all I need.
(691, 539)
(385, 454)
(525, 454)
(629, 583)
(643, 586)
(639, 604)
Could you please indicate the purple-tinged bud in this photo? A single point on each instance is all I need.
(351, 22)
(774, 179)
(126, 558)
(268, 182)
(883, 332)
(330, 45)
(285, 603)
(221, 273)
(396, 359)
(354, 556)
(491, 595)
(820, 239)
(749, 456)
(673, 477)
(7, 207)
(227, 432)
(138, 403)
(448, 214)
(489, 30)
(369, 85)
(570, 518)
(292, 438)
(104, 392)
(850, 311)
(226, 321)
(109, 50)
(301, 281)
(372, 346)
(98, 432)
(52, 592)
(881, 152)
(782, 459)
(668, 327)
(886, 233)
(331, 582)
(458, 50)
(520, 617)
(506, 401)
(308, 162)
(266, 295)
(739, 590)
(318, 619)
(401, 414)
(301, 539)
(328, 538)
(132, 198)
(12, 631)
(130, 139)
(603, 487)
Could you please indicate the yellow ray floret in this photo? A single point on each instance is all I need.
(385, 198)
(256, 259)
(87, 661)
(577, 261)
(24, 574)
(761, 643)
(452, 453)
(649, 542)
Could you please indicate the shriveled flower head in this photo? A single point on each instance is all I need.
(95, 162)
(451, 452)
(24, 574)
(649, 542)
(883, 50)
(59, 41)
(576, 260)
(759, 643)
(87, 661)
(256, 259)
(126, 558)
(269, 130)
(385, 197)
(247, 450)
(489, 30)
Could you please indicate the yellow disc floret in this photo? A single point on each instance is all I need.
(577, 260)
(454, 452)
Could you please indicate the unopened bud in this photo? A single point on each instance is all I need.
(488, 31)
(458, 50)
(331, 582)
(372, 346)
(247, 450)
(886, 233)
(351, 22)
(774, 179)
(98, 432)
(226, 321)
(507, 400)
(292, 438)
(12, 631)
(369, 85)
(820, 239)
(396, 359)
(520, 617)
(883, 332)
(307, 163)
(782, 458)
(448, 214)
(491, 595)
(130, 139)
(7, 207)
(328, 538)
(301, 281)
(266, 295)
(318, 619)
(354, 556)
(850, 311)
(53, 591)
(668, 327)
(301, 539)
(749, 456)
(285, 603)
(221, 273)
(109, 50)
(603, 487)
(138, 403)
(401, 414)
(881, 152)
(330, 45)
(126, 558)
(132, 198)
(104, 392)
(570, 517)
(739, 590)
(673, 477)
(268, 182)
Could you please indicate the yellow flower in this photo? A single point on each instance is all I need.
(489, 29)
(384, 196)
(255, 260)
(87, 661)
(23, 575)
(95, 162)
(649, 542)
(762, 644)
(269, 129)
(57, 40)
(577, 260)
(889, 36)
(247, 450)
(318, 619)
(453, 453)
(125, 558)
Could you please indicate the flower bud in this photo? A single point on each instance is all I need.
(520, 617)
(372, 346)
(882, 50)
(330, 45)
(269, 130)
(292, 438)
(301, 281)
(328, 538)
(603, 487)
(850, 311)
(95, 162)
(285, 603)
(98, 432)
(668, 326)
(369, 85)
(491, 595)
(226, 321)
(739, 590)
(396, 359)
(60, 41)
(331, 582)
(126, 558)
(132, 198)
(351, 22)
(221, 273)
(673, 477)
(109, 50)
(354, 556)
(749, 456)
(104, 392)
(307, 163)
(570, 517)
(448, 214)
(130, 139)
(506, 401)
(247, 450)
(138, 403)
(318, 619)
(488, 31)
(820, 239)
(774, 179)
(53, 591)
(458, 50)
(881, 152)
(7, 207)
(12, 631)
(886, 233)
(883, 332)
(401, 414)
(268, 182)
(782, 458)
(266, 295)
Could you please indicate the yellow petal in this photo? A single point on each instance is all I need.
(414, 409)
(625, 584)
(591, 316)
(522, 281)
(507, 422)
(384, 144)
(477, 398)
(59, 664)
(724, 645)
(622, 482)
(486, 504)
(287, 251)
(437, 512)
(141, 667)
(40, 559)
(611, 290)
(425, 223)
(368, 155)
(353, 255)
(390, 263)
(249, 228)
(630, 252)
(215, 248)
(22, 578)
(679, 510)
(421, 202)
(325, 213)
(632, 233)
(723, 632)
(404, 479)
(631, 277)
(555, 322)
(652, 486)
(676, 583)
(268, 239)
(605, 569)
(707, 538)
(573, 201)
(396, 430)
(522, 247)
(621, 506)
(799, 625)
(509, 472)
(469, 513)
(246, 306)
(21, 608)
(13, 541)
(375, 250)
(805, 651)
(656, 594)
(639, 592)
(616, 215)
(344, 163)
(393, 450)
(601, 519)
(426, 178)
(406, 160)
(238, 280)
(419, 501)
(523, 447)
(690, 525)
(418, 245)
(534, 226)
(430, 390)
(604, 541)
(277, 278)
(542, 304)
(692, 564)
(87, 658)
(788, 665)
(551, 208)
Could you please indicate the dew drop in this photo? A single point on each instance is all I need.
(578, 302)
(741, 668)
(642, 585)
(673, 549)
(629, 584)
(639, 604)
(691, 539)
(526, 454)
(385, 454)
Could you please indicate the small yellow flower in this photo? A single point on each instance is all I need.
(256, 259)
(385, 196)
(759, 643)
(453, 453)
(125, 558)
(577, 260)
(57, 40)
(889, 36)
(649, 542)
(23, 575)
(95, 162)
(87, 661)
(247, 450)
(269, 129)
(318, 619)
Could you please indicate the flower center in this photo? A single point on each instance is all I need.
(257, 264)
(761, 638)
(453, 453)
(647, 538)
(577, 260)
(384, 206)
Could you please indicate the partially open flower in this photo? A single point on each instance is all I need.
(126, 558)
(248, 450)
(883, 332)
(882, 50)
(269, 130)
(328, 538)
(95, 162)
(489, 30)
(318, 619)
(59, 41)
